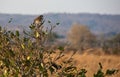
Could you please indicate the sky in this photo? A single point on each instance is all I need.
(59, 6)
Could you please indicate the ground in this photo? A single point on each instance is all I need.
(90, 61)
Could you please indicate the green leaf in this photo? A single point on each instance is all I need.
(56, 66)
(41, 67)
(22, 45)
(37, 34)
(27, 62)
(6, 62)
(12, 35)
(10, 20)
(25, 39)
(99, 73)
(83, 72)
(111, 72)
(49, 21)
(51, 69)
(5, 73)
(17, 33)
(16, 74)
(11, 53)
(100, 65)
(70, 68)
(57, 23)
(41, 55)
(32, 26)
(61, 48)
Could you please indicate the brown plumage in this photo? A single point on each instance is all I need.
(38, 20)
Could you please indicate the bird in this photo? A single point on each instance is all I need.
(38, 20)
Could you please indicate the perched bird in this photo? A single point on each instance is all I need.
(38, 20)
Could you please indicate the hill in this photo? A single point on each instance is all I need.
(108, 24)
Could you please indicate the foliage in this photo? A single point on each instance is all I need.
(100, 73)
(27, 55)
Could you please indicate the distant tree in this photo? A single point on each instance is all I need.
(117, 38)
(112, 45)
(116, 44)
(80, 37)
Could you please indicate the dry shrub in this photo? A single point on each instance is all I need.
(80, 37)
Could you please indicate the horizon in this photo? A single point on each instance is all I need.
(36, 7)
(60, 13)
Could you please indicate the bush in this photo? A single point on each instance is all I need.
(81, 37)
(27, 55)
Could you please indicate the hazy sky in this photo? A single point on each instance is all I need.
(56, 6)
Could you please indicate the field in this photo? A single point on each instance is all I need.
(90, 62)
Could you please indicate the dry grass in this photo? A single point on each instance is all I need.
(91, 62)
